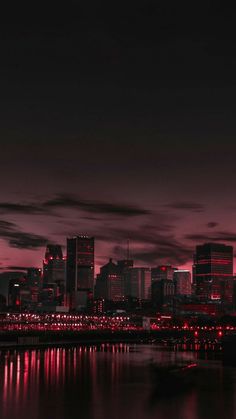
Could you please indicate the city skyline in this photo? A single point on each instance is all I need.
(126, 255)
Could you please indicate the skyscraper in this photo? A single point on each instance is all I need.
(54, 271)
(110, 282)
(53, 264)
(80, 270)
(182, 280)
(34, 282)
(139, 283)
(213, 271)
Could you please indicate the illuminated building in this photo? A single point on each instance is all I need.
(110, 282)
(139, 283)
(214, 272)
(54, 271)
(80, 270)
(98, 306)
(182, 280)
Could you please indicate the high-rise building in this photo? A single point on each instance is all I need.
(110, 282)
(54, 267)
(182, 280)
(34, 282)
(124, 267)
(79, 270)
(214, 271)
(139, 283)
(163, 292)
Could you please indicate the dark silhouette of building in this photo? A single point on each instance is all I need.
(138, 283)
(79, 270)
(124, 267)
(182, 280)
(163, 292)
(53, 251)
(19, 293)
(214, 272)
(34, 282)
(54, 266)
(110, 282)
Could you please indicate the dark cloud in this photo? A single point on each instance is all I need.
(186, 206)
(72, 202)
(27, 241)
(6, 226)
(220, 236)
(176, 257)
(18, 239)
(158, 227)
(156, 255)
(137, 236)
(17, 268)
(98, 207)
(91, 218)
(212, 224)
(20, 208)
(156, 248)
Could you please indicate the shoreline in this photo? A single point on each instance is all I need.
(23, 340)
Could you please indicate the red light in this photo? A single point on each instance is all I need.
(163, 268)
(196, 333)
(220, 333)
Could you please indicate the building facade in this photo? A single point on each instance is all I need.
(54, 273)
(110, 283)
(139, 283)
(214, 272)
(183, 284)
(79, 270)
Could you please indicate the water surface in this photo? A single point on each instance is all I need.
(108, 381)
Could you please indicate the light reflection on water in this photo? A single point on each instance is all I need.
(107, 381)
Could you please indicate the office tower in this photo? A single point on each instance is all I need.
(139, 283)
(19, 295)
(80, 270)
(53, 251)
(163, 272)
(34, 282)
(214, 272)
(163, 292)
(182, 280)
(124, 267)
(54, 266)
(110, 282)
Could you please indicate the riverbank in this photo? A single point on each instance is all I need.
(174, 341)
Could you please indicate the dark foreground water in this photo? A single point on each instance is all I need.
(108, 382)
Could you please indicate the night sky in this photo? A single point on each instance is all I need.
(118, 119)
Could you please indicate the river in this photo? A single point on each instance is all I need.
(108, 382)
